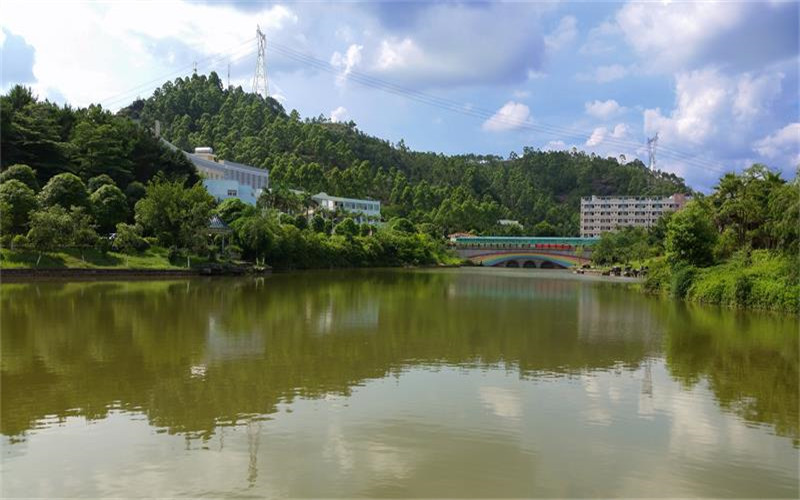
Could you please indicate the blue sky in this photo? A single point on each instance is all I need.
(718, 81)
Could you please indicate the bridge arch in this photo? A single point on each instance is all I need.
(512, 263)
(530, 264)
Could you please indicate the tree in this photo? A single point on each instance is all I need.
(99, 181)
(544, 228)
(19, 200)
(22, 173)
(109, 207)
(174, 214)
(128, 239)
(51, 228)
(691, 236)
(255, 234)
(347, 228)
(233, 208)
(66, 190)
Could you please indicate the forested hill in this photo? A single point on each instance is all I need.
(541, 189)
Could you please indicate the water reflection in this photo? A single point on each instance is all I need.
(503, 363)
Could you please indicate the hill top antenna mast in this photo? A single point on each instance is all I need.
(652, 143)
(260, 79)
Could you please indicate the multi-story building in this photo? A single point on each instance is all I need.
(211, 168)
(362, 210)
(600, 214)
(222, 189)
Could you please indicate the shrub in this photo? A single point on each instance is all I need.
(682, 280)
(19, 242)
(742, 286)
(129, 239)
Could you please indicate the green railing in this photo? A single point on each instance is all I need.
(522, 242)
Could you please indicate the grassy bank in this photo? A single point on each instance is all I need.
(154, 258)
(759, 280)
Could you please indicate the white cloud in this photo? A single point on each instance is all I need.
(511, 116)
(400, 54)
(555, 146)
(597, 41)
(598, 135)
(603, 109)
(754, 93)
(673, 36)
(565, 32)
(441, 48)
(710, 104)
(339, 114)
(114, 46)
(605, 74)
(651, 29)
(522, 94)
(348, 61)
(783, 143)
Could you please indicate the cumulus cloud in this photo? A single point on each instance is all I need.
(441, 49)
(347, 61)
(710, 105)
(339, 114)
(620, 131)
(745, 35)
(603, 109)
(114, 44)
(564, 34)
(783, 143)
(511, 116)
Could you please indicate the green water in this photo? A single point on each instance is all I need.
(454, 383)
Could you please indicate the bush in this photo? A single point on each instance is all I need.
(741, 290)
(129, 239)
(19, 242)
(682, 280)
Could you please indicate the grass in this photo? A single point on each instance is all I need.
(152, 258)
(764, 280)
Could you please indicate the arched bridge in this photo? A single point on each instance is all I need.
(528, 252)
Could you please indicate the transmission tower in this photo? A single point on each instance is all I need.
(652, 143)
(260, 85)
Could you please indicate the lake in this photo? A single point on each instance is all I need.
(392, 383)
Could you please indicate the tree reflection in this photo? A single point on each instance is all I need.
(197, 354)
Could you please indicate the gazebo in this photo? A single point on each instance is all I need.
(218, 226)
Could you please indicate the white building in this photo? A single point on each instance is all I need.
(222, 189)
(211, 168)
(361, 210)
(600, 214)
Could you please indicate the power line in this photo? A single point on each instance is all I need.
(454, 106)
(180, 71)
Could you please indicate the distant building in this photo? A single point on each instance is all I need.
(600, 214)
(209, 167)
(362, 210)
(509, 222)
(222, 189)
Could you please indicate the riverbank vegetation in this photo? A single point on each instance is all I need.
(736, 247)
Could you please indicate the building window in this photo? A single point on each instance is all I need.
(231, 192)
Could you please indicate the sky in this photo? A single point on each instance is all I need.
(717, 81)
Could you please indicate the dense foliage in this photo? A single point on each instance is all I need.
(737, 247)
(465, 192)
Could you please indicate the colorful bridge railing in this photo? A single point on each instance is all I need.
(524, 251)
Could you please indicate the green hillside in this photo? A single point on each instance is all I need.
(464, 192)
